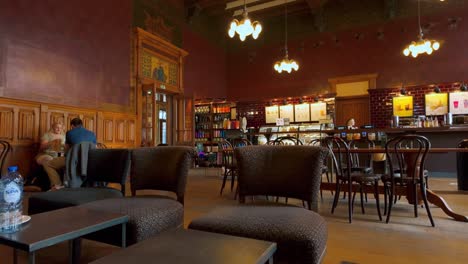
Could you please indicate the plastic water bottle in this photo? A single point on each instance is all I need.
(11, 197)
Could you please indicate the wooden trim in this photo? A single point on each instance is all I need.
(372, 78)
(26, 121)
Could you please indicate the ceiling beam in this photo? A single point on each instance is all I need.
(238, 3)
(263, 6)
(314, 4)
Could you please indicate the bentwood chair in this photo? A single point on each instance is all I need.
(361, 162)
(287, 140)
(228, 162)
(341, 161)
(321, 143)
(240, 142)
(406, 158)
(5, 148)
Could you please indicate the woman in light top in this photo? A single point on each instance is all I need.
(351, 124)
(52, 142)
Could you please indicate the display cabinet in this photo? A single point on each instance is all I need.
(212, 121)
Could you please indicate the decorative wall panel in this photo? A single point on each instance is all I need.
(6, 123)
(26, 125)
(23, 123)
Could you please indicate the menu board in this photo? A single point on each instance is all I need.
(403, 106)
(287, 111)
(271, 113)
(302, 113)
(459, 103)
(318, 111)
(436, 104)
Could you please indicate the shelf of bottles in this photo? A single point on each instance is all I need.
(211, 121)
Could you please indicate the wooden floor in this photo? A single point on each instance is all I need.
(405, 240)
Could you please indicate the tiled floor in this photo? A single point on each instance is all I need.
(405, 240)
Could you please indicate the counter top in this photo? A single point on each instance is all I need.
(444, 129)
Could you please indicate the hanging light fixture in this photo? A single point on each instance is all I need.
(245, 27)
(422, 45)
(286, 64)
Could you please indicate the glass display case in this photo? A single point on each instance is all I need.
(305, 132)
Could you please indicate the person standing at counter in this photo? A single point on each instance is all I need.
(351, 124)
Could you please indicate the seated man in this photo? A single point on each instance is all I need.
(76, 135)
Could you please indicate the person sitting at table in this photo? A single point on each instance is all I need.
(76, 135)
(52, 143)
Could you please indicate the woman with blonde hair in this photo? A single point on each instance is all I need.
(52, 143)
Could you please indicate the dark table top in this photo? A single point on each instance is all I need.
(195, 247)
(56, 226)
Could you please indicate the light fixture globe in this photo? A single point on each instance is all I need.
(421, 46)
(286, 64)
(245, 27)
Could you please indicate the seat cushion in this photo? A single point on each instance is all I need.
(65, 197)
(301, 235)
(148, 216)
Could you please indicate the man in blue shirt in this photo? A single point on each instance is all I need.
(76, 135)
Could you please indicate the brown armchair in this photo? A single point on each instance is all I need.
(158, 168)
(289, 171)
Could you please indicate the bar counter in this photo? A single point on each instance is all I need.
(439, 164)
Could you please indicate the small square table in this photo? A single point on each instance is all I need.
(195, 247)
(53, 227)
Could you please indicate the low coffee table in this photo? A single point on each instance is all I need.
(196, 247)
(50, 228)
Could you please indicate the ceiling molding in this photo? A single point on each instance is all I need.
(266, 5)
(238, 3)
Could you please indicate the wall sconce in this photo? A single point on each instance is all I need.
(437, 89)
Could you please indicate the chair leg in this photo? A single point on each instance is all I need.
(362, 200)
(350, 209)
(328, 180)
(415, 192)
(233, 179)
(385, 199)
(377, 202)
(390, 204)
(337, 196)
(226, 172)
(426, 203)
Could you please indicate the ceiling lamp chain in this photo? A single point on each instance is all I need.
(245, 27)
(286, 64)
(422, 45)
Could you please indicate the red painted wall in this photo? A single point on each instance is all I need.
(251, 75)
(205, 67)
(74, 52)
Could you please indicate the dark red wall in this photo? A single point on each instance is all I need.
(74, 52)
(251, 75)
(205, 67)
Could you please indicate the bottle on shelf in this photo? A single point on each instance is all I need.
(11, 196)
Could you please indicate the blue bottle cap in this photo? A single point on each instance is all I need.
(12, 168)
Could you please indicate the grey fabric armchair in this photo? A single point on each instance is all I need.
(289, 171)
(104, 165)
(159, 168)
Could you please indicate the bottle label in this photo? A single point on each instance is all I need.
(12, 193)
